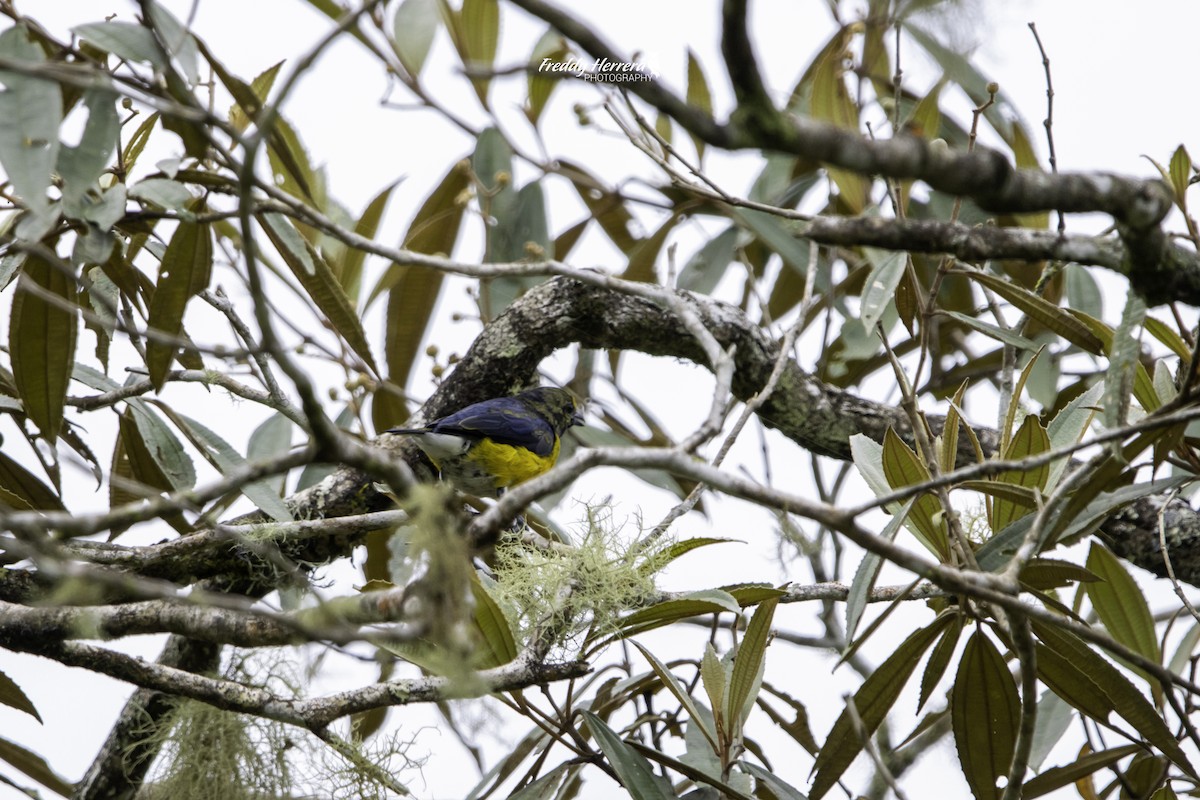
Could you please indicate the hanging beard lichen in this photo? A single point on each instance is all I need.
(211, 754)
(218, 755)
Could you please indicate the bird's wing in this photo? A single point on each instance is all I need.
(505, 420)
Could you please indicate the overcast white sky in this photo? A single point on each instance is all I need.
(1124, 75)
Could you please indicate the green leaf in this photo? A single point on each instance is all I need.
(1002, 335)
(291, 165)
(880, 287)
(633, 770)
(480, 35)
(349, 270)
(30, 115)
(125, 40)
(137, 142)
(607, 207)
(12, 696)
(185, 271)
(41, 340)
(240, 115)
(680, 548)
(748, 663)
(33, 765)
(997, 551)
(1069, 425)
(795, 250)
(694, 603)
(831, 102)
(681, 694)
(1038, 308)
(413, 27)
(174, 466)
(81, 165)
(162, 192)
(698, 95)
(902, 468)
(550, 46)
(939, 659)
(1122, 607)
(695, 773)
(873, 701)
(1048, 573)
(1054, 717)
(178, 42)
(270, 439)
(25, 486)
(1167, 335)
(1090, 683)
(319, 282)
(1122, 358)
(868, 571)
(1031, 439)
(1181, 174)
(704, 270)
(495, 631)
(985, 712)
(226, 460)
(782, 790)
(1059, 777)
(1083, 293)
(644, 255)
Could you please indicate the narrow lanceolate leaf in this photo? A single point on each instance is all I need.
(349, 270)
(748, 663)
(550, 49)
(480, 34)
(30, 115)
(495, 631)
(1123, 358)
(1002, 335)
(318, 280)
(1038, 308)
(25, 487)
(225, 459)
(880, 289)
(873, 701)
(1069, 425)
(185, 272)
(1180, 173)
(1030, 439)
(413, 27)
(633, 770)
(698, 94)
(704, 270)
(673, 685)
(868, 571)
(156, 455)
(1089, 682)
(1121, 606)
(246, 107)
(902, 468)
(12, 696)
(41, 340)
(33, 765)
(985, 712)
(939, 659)
(1058, 777)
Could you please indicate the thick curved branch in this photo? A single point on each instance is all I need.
(818, 417)
(1156, 267)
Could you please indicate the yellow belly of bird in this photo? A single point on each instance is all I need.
(488, 466)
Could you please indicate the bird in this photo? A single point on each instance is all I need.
(495, 444)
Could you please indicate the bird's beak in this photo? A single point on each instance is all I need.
(577, 417)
